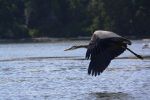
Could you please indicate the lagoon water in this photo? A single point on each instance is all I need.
(43, 71)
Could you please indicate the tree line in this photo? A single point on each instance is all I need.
(71, 18)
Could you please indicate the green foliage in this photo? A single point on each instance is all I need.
(68, 18)
(34, 33)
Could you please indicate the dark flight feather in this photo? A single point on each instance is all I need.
(102, 51)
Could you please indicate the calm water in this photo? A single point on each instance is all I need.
(43, 71)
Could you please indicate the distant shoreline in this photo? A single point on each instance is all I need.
(53, 39)
(41, 39)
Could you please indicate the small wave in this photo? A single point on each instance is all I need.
(43, 58)
(63, 58)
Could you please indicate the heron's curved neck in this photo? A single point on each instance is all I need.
(77, 47)
(81, 46)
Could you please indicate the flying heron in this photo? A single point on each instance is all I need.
(103, 47)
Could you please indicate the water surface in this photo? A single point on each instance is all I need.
(43, 71)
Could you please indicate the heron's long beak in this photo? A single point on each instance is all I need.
(67, 49)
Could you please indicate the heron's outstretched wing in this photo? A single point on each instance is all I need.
(98, 64)
(101, 52)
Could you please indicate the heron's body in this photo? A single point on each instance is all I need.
(102, 48)
(104, 34)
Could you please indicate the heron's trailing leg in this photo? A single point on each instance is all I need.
(138, 56)
(76, 47)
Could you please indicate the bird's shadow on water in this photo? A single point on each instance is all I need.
(110, 96)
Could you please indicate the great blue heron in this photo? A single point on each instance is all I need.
(103, 47)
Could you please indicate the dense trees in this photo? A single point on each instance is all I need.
(12, 19)
(67, 18)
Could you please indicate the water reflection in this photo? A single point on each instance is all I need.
(110, 96)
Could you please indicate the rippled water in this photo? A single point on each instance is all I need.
(43, 71)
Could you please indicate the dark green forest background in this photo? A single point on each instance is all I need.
(72, 18)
